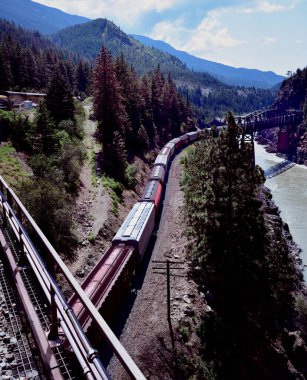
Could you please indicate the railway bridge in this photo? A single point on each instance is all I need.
(287, 121)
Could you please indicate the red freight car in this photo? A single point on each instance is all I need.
(158, 174)
(152, 193)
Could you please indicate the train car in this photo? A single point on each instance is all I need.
(184, 139)
(158, 174)
(171, 146)
(104, 279)
(108, 281)
(181, 141)
(152, 193)
(163, 159)
(137, 227)
(193, 136)
(178, 143)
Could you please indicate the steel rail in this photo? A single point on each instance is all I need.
(108, 334)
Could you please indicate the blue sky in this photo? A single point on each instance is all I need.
(261, 34)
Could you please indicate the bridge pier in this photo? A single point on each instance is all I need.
(286, 120)
(288, 141)
(248, 137)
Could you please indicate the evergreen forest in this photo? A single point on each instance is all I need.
(243, 262)
(28, 59)
(209, 97)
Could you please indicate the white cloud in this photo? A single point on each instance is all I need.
(269, 40)
(124, 12)
(208, 36)
(298, 42)
(265, 6)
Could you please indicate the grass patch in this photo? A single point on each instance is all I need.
(91, 238)
(185, 154)
(116, 190)
(10, 167)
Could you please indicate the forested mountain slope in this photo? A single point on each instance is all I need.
(87, 39)
(28, 59)
(227, 74)
(206, 93)
(293, 91)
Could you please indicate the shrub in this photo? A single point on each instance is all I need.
(130, 173)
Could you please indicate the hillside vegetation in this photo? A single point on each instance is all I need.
(227, 74)
(28, 60)
(244, 262)
(209, 96)
(135, 115)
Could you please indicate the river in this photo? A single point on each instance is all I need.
(289, 191)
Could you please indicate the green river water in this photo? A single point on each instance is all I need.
(289, 191)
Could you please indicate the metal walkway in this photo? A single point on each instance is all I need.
(26, 360)
(278, 169)
(31, 367)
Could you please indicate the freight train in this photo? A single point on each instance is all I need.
(108, 281)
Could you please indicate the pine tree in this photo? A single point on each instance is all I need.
(82, 77)
(43, 141)
(157, 86)
(146, 110)
(6, 77)
(130, 90)
(109, 111)
(59, 99)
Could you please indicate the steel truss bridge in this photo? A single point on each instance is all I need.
(287, 122)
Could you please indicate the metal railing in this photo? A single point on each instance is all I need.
(63, 314)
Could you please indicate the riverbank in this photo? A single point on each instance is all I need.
(289, 192)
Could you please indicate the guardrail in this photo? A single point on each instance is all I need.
(61, 311)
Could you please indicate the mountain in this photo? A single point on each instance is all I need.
(88, 38)
(293, 92)
(226, 74)
(208, 94)
(28, 59)
(36, 16)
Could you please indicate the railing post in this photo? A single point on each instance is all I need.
(53, 333)
(9, 198)
(22, 259)
(4, 223)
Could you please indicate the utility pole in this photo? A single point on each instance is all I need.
(165, 267)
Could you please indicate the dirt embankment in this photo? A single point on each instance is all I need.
(94, 221)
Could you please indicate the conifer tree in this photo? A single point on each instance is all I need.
(130, 90)
(157, 87)
(59, 99)
(109, 110)
(251, 279)
(146, 110)
(43, 137)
